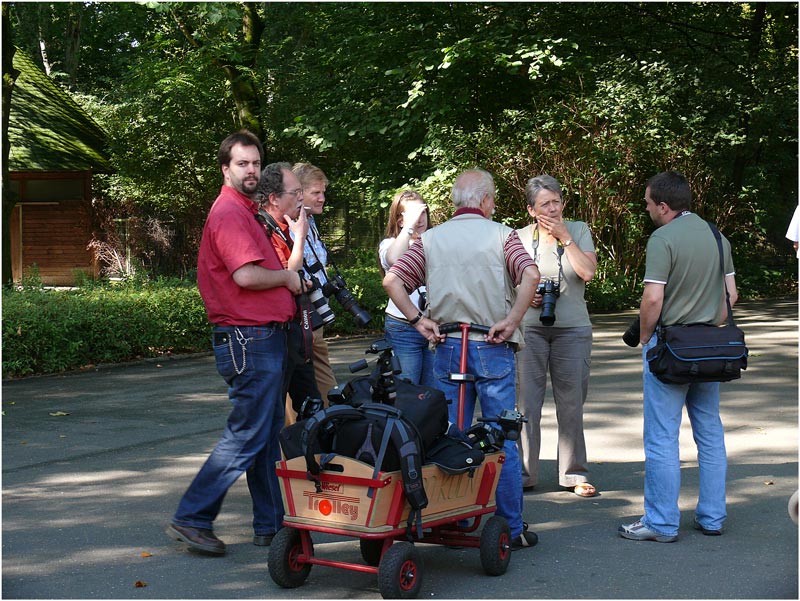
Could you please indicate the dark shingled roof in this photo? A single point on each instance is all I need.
(47, 129)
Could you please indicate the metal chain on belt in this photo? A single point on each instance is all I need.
(240, 338)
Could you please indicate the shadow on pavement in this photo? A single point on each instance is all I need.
(94, 464)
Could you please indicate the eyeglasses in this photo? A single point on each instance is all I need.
(295, 193)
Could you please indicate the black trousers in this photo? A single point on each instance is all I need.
(299, 380)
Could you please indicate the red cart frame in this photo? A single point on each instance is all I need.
(347, 498)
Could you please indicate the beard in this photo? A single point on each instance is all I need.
(246, 186)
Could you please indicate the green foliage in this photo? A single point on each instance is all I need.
(365, 283)
(389, 94)
(50, 331)
(47, 331)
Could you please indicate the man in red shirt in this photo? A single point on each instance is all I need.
(249, 297)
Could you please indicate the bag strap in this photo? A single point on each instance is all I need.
(406, 440)
(310, 433)
(718, 237)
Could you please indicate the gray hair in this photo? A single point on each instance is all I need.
(471, 187)
(271, 181)
(539, 183)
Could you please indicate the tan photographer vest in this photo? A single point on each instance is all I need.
(465, 272)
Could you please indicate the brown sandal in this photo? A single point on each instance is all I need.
(584, 489)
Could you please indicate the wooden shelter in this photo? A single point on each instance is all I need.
(55, 148)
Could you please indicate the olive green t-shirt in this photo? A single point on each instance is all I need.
(570, 311)
(683, 256)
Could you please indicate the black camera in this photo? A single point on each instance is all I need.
(422, 303)
(487, 438)
(336, 287)
(631, 335)
(309, 407)
(549, 291)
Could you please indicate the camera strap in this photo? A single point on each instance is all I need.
(559, 253)
(272, 227)
(303, 305)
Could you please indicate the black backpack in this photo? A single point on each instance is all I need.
(374, 433)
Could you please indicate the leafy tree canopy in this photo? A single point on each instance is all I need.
(600, 95)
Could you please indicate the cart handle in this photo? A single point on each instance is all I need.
(449, 328)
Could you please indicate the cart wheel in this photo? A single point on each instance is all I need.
(284, 566)
(371, 550)
(400, 572)
(495, 546)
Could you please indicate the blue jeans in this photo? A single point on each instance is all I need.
(663, 405)
(254, 374)
(411, 348)
(493, 366)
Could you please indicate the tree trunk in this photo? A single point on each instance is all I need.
(72, 46)
(243, 87)
(43, 18)
(744, 151)
(10, 75)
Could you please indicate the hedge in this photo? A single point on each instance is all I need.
(50, 331)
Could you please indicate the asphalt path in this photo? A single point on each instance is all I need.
(94, 463)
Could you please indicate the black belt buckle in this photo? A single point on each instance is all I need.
(221, 338)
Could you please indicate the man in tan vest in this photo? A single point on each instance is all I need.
(471, 266)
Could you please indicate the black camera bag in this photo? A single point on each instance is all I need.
(454, 456)
(423, 406)
(698, 353)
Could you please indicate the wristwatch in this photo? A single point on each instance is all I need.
(410, 231)
(416, 319)
(568, 242)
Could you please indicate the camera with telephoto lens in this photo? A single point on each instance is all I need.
(631, 335)
(320, 303)
(337, 287)
(549, 291)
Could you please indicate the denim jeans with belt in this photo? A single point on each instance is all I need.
(251, 360)
(663, 407)
(411, 348)
(494, 371)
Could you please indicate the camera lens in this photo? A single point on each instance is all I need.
(549, 293)
(350, 305)
(321, 306)
(338, 288)
(631, 335)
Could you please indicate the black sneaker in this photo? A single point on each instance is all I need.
(524, 540)
(707, 531)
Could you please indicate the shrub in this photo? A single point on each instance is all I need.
(49, 331)
(364, 282)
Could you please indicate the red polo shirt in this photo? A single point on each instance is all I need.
(231, 239)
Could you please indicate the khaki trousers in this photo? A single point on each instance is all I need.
(564, 353)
